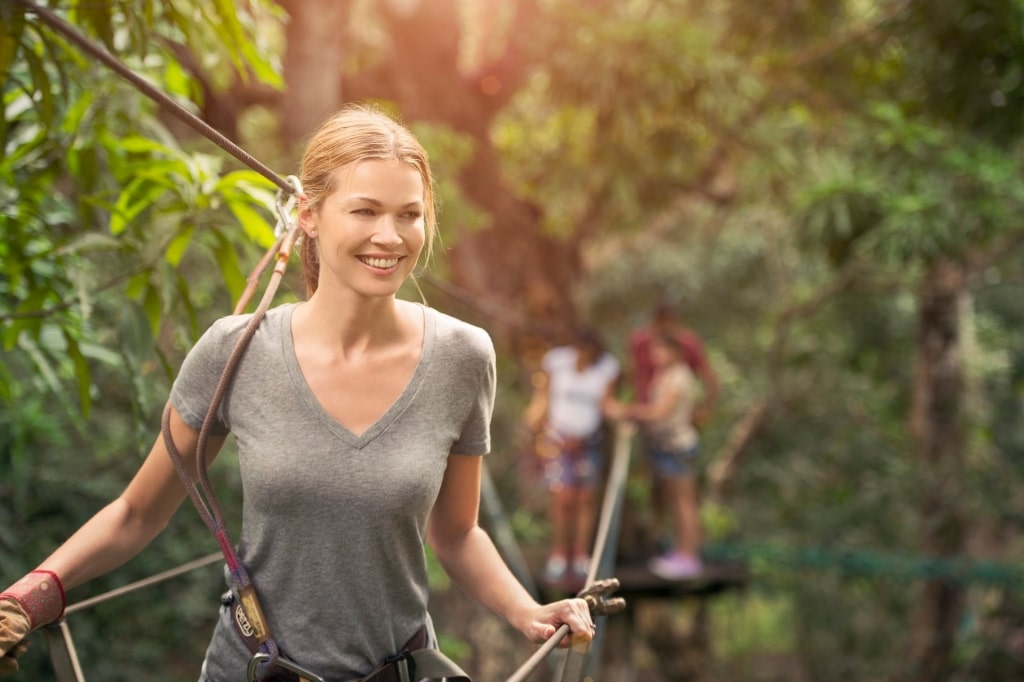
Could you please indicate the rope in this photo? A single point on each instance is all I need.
(145, 87)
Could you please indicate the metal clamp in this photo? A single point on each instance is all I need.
(597, 598)
(262, 659)
(285, 205)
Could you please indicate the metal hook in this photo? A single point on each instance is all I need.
(285, 205)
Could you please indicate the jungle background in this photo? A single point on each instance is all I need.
(828, 191)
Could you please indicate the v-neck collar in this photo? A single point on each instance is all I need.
(389, 415)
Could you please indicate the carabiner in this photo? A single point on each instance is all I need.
(262, 659)
(285, 205)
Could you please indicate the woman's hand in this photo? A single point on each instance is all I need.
(545, 620)
(14, 626)
(618, 410)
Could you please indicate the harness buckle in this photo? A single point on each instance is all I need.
(261, 658)
(402, 665)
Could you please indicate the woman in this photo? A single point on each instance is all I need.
(359, 419)
(568, 411)
(668, 421)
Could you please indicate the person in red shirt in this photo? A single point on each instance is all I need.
(666, 321)
(665, 324)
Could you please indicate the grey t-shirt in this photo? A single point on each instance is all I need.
(334, 524)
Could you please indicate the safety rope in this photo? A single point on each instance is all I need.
(201, 491)
(202, 127)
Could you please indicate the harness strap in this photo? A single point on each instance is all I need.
(416, 661)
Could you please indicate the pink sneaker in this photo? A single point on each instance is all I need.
(675, 566)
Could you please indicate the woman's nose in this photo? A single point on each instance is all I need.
(385, 232)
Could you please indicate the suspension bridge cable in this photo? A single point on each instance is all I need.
(864, 562)
(145, 87)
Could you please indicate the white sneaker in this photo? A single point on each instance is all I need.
(555, 568)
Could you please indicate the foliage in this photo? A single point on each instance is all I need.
(785, 175)
(116, 237)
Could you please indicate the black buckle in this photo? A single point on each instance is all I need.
(400, 667)
(262, 659)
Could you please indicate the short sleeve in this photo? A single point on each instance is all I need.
(475, 437)
(193, 388)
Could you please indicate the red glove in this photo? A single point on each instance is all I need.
(32, 602)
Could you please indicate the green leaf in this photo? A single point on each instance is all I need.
(83, 376)
(153, 308)
(140, 194)
(12, 24)
(230, 269)
(178, 245)
(98, 17)
(43, 88)
(255, 225)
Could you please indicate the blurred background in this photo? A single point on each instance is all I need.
(827, 192)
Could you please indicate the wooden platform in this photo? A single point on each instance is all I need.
(637, 582)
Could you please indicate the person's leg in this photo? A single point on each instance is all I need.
(680, 486)
(687, 516)
(560, 515)
(558, 477)
(586, 519)
(655, 468)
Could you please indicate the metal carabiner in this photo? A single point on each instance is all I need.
(598, 600)
(262, 659)
(285, 205)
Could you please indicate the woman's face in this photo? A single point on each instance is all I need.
(370, 229)
(662, 354)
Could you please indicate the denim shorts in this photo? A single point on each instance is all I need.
(672, 461)
(575, 463)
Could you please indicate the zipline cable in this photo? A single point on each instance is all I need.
(202, 127)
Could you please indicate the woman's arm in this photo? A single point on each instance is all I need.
(469, 556)
(124, 527)
(658, 409)
(540, 400)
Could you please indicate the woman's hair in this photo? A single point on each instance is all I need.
(587, 339)
(359, 132)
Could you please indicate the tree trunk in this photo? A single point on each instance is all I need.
(938, 431)
(511, 264)
(312, 65)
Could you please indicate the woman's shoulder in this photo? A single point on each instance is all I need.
(679, 372)
(226, 330)
(451, 330)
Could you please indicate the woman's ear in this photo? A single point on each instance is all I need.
(307, 217)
